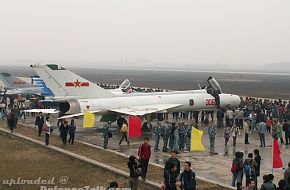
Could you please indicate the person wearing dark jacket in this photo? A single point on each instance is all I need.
(268, 183)
(281, 184)
(287, 176)
(134, 172)
(144, 153)
(63, 132)
(71, 130)
(11, 121)
(172, 160)
(286, 128)
(170, 177)
(39, 121)
(187, 178)
(257, 168)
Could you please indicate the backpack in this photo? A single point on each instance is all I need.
(248, 168)
(234, 168)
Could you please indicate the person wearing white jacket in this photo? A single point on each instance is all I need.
(48, 130)
(247, 130)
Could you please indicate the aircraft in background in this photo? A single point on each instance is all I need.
(74, 95)
(14, 85)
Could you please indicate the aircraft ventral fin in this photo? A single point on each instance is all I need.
(145, 109)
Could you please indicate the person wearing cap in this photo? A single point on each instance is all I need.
(157, 134)
(212, 135)
(181, 131)
(277, 130)
(165, 133)
(187, 136)
(175, 146)
(106, 130)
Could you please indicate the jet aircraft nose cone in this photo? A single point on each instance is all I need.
(236, 100)
(230, 100)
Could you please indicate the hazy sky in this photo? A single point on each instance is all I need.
(177, 31)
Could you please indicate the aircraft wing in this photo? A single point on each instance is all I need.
(145, 109)
(42, 110)
(23, 91)
(76, 115)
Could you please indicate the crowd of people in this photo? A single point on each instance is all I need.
(253, 116)
(173, 177)
(132, 89)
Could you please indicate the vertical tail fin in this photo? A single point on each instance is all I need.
(10, 81)
(63, 82)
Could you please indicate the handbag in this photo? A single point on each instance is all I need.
(45, 128)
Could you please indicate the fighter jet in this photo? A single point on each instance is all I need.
(14, 85)
(75, 95)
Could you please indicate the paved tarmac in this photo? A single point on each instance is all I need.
(215, 168)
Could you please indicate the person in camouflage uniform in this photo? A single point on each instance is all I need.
(171, 135)
(175, 139)
(157, 135)
(106, 134)
(181, 131)
(187, 137)
(212, 134)
(165, 133)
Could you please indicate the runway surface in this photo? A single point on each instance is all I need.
(268, 85)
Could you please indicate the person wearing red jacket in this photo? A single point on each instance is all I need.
(144, 153)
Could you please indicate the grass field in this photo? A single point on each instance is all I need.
(28, 161)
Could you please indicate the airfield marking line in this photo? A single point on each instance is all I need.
(79, 157)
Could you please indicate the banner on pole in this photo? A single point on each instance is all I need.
(89, 120)
(277, 161)
(196, 140)
(134, 128)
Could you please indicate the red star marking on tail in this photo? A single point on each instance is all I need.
(77, 83)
